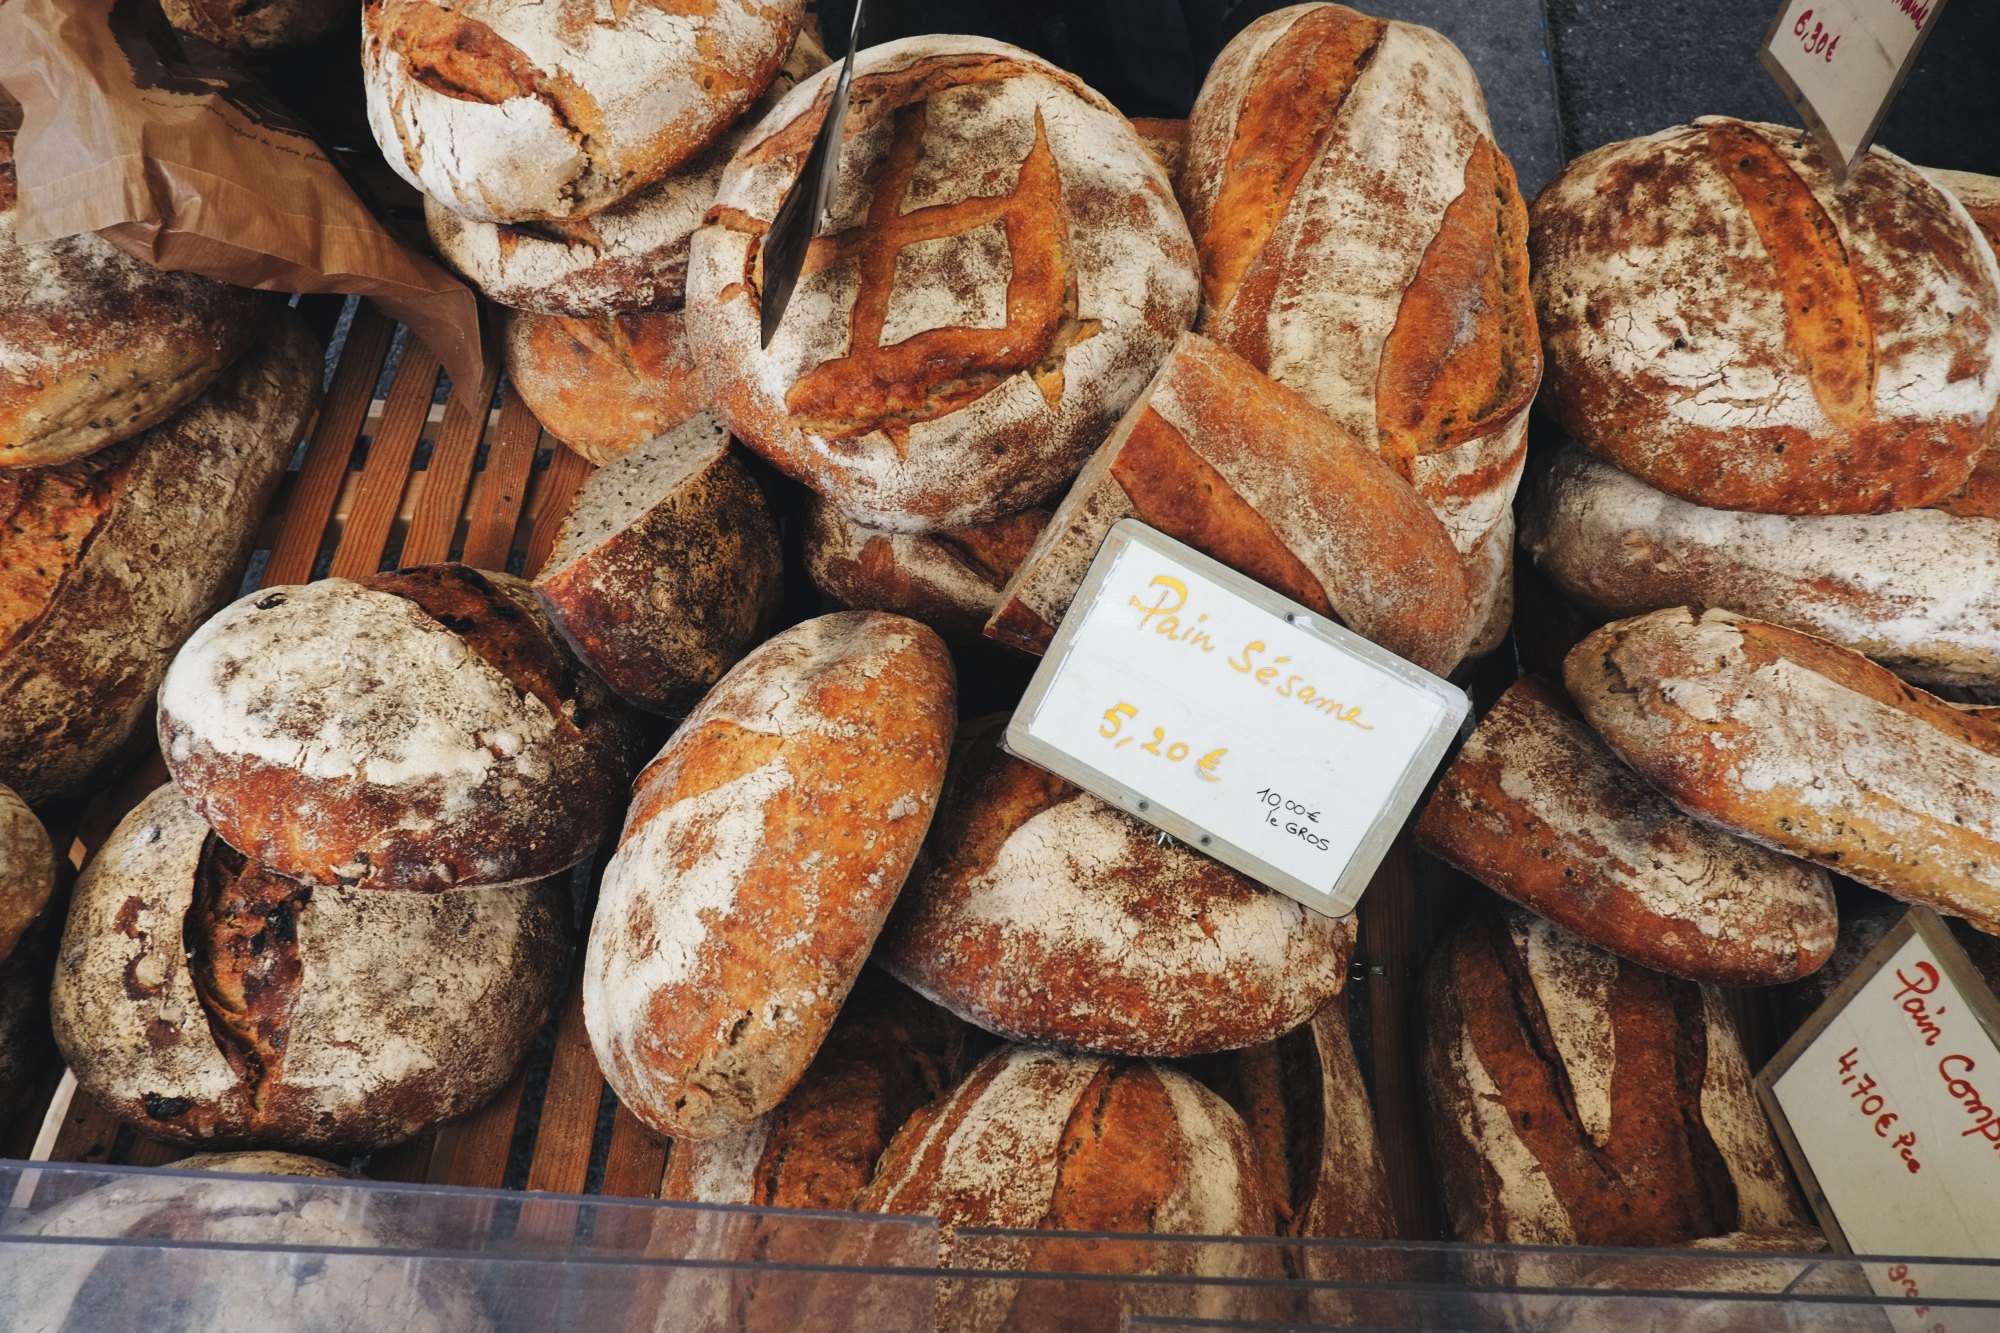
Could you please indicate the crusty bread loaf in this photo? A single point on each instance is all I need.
(760, 857)
(950, 581)
(27, 869)
(1165, 140)
(1806, 747)
(666, 568)
(204, 999)
(506, 111)
(107, 563)
(421, 730)
(1003, 268)
(1577, 1099)
(1862, 927)
(1540, 810)
(259, 25)
(1980, 196)
(1918, 591)
(1218, 455)
(1731, 326)
(96, 346)
(604, 386)
(630, 258)
(1134, 946)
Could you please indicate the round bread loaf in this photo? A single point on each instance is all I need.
(667, 567)
(1730, 325)
(507, 110)
(1918, 591)
(1576, 1099)
(421, 730)
(1003, 270)
(630, 258)
(1806, 747)
(604, 386)
(950, 581)
(1047, 915)
(263, 1163)
(27, 869)
(202, 998)
(259, 25)
(760, 857)
(1539, 810)
(107, 563)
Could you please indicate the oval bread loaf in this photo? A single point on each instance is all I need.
(206, 1000)
(950, 581)
(27, 869)
(760, 857)
(1727, 323)
(604, 386)
(1806, 747)
(422, 730)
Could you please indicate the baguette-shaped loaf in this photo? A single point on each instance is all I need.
(1726, 322)
(1537, 808)
(604, 386)
(1242, 469)
(27, 869)
(1917, 590)
(1577, 1099)
(950, 581)
(1806, 747)
(760, 857)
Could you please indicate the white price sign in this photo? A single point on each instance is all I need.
(1234, 718)
(1841, 62)
(1888, 1102)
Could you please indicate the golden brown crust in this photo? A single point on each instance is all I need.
(604, 386)
(948, 580)
(1166, 140)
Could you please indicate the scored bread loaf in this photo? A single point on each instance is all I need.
(604, 386)
(27, 869)
(1577, 1099)
(666, 568)
(1917, 591)
(760, 857)
(108, 562)
(1044, 914)
(505, 111)
(1537, 808)
(950, 581)
(421, 730)
(1729, 324)
(1216, 454)
(259, 25)
(1003, 268)
(203, 999)
(1803, 746)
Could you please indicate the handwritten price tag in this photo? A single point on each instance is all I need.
(1841, 63)
(1234, 718)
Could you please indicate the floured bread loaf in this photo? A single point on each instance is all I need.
(1540, 810)
(422, 730)
(108, 562)
(1577, 1099)
(27, 869)
(950, 581)
(1806, 747)
(1046, 915)
(604, 386)
(1003, 269)
(203, 999)
(1727, 324)
(1165, 140)
(507, 110)
(1917, 591)
(667, 567)
(761, 854)
(259, 25)
(1216, 454)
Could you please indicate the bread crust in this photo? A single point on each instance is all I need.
(604, 386)
(1727, 324)
(27, 869)
(950, 581)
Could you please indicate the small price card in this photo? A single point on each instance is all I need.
(1841, 63)
(1888, 1102)
(1234, 718)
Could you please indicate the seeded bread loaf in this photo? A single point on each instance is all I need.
(108, 562)
(667, 567)
(1729, 325)
(203, 999)
(948, 580)
(27, 869)
(604, 386)
(1577, 1099)
(259, 25)
(422, 730)
(760, 857)
(1003, 269)
(1806, 747)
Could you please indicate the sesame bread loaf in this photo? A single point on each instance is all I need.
(1003, 269)
(422, 730)
(1730, 325)
(950, 581)
(760, 857)
(27, 869)
(203, 999)
(1806, 747)
(604, 386)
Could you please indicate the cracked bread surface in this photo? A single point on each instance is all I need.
(607, 385)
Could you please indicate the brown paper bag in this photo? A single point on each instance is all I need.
(178, 157)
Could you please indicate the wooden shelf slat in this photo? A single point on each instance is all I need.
(473, 1151)
(568, 1123)
(386, 475)
(637, 1162)
(559, 483)
(442, 500)
(501, 488)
